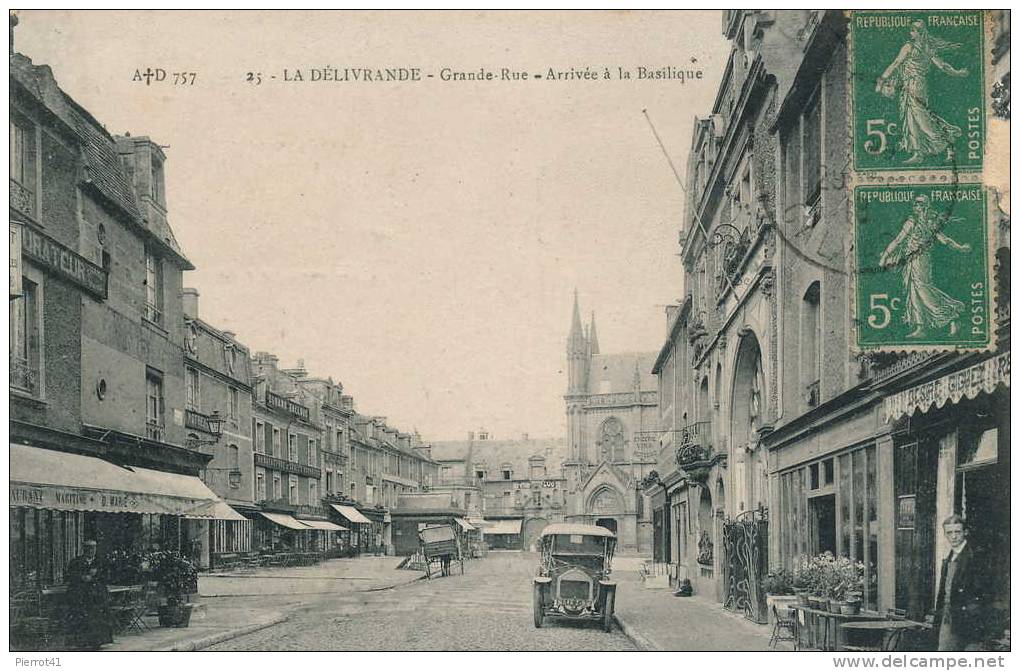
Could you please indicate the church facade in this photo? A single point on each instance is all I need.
(612, 437)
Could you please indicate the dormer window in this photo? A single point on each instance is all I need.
(157, 187)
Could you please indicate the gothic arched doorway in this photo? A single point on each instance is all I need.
(747, 415)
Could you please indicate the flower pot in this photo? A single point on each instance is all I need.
(175, 615)
(850, 607)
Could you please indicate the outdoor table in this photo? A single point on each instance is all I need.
(890, 630)
(829, 620)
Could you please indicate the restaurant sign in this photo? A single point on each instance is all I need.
(56, 497)
(969, 382)
(56, 257)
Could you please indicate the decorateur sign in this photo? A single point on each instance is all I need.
(60, 259)
(969, 382)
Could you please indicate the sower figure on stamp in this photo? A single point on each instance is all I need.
(922, 132)
(962, 609)
(89, 618)
(927, 306)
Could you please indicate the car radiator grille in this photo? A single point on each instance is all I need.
(574, 589)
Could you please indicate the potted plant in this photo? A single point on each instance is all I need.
(177, 577)
(778, 585)
(802, 581)
(851, 585)
(125, 567)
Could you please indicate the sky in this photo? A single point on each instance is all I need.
(420, 241)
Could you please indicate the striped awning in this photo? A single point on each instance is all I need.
(323, 525)
(502, 527)
(286, 521)
(351, 513)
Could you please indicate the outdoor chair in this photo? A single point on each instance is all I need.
(131, 608)
(784, 629)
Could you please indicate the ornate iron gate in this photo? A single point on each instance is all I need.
(745, 563)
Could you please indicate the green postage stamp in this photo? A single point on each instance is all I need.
(923, 268)
(918, 90)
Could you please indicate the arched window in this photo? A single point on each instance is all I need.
(612, 440)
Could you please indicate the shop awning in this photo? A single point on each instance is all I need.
(53, 480)
(286, 521)
(323, 525)
(351, 513)
(221, 510)
(464, 524)
(985, 377)
(502, 527)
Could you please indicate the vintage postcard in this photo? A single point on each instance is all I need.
(510, 331)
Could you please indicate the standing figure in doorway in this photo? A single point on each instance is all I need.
(963, 605)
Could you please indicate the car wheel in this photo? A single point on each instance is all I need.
(537, 604)
(607, 610)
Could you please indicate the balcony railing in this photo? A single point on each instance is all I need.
(154, 430)
(153, 314)
(193, 419)
(283, 403)
(698, 432)
(22, 198)
(23, 375)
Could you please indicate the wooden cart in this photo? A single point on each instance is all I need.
(440, 548)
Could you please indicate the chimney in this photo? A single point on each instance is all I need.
(189, 302)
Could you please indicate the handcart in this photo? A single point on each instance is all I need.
(440, 548)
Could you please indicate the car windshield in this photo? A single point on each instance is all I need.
(571, 544)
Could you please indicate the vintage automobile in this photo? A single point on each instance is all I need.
(573, 578)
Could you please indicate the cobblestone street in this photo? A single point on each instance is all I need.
(488, 608)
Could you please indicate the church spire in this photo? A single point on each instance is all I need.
(593, 338)
(576, 340)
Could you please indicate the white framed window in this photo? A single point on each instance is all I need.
(277, 443)
(26, 338)
(153, 288)
(312, 456)
(313, 492)
(292, 447)
(277, 487)
(193, 384)
(292, 490)
(154, 404)
(235, 405)
(260, 437)
(260, 484)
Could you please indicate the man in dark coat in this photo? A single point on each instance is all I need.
(963, 605)
(88, 615)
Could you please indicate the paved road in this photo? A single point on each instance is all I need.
(488, 608)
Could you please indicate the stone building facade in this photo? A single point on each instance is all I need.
(98, 438)
(612, 419)
(770, 419)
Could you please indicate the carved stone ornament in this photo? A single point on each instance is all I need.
(191, 338)
(768, 284)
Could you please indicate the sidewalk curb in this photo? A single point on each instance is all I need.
(191, 646)
(636, 637)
